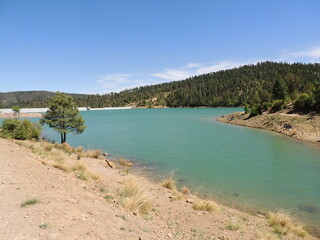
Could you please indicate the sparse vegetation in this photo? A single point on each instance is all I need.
(92, 153)
(299, 231)
(61, 167)
(280, 218)
(65, 147)
(125, 163)
(29, 202)
(44, 226)
(233, 227)
(185, 190)
(282, 223)
(82, 175)
(177, 196)
(169, 183)
(205, 205)
(134, 197)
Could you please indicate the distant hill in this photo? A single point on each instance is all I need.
(28, 98)
(249, 84)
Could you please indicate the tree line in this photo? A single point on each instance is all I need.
(260, 86)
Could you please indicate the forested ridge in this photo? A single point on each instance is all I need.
(254, 86)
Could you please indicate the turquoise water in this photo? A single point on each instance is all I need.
(254, 168)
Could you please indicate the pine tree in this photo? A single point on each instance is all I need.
(63, 116)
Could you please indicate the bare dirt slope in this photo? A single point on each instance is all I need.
(304, 127)
(68, 207)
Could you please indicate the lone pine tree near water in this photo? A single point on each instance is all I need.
(63, 116)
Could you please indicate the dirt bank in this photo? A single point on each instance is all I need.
(302, 127)
(83, 199)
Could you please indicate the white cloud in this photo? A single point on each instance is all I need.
(118, 82)
(313, 54)
(192, 69)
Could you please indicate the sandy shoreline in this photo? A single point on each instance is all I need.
(71, 208)
(20, 115)
(301, 127)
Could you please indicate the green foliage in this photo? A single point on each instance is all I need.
(16, 109)
(255, 111)
(29, 202)
(317, 98)
(277, 105)
(20, 129)
(247, 108)
(266, 106)
(63, 116)
(280, 89)
(305, 102)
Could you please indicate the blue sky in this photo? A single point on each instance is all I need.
(99, 46)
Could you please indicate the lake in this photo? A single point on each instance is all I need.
(247, 167)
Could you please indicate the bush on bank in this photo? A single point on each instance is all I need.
(20, 129)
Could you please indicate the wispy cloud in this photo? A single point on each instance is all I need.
(311, 55)
(120, 81)
(192, 69)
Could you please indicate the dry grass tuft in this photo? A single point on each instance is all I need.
(78, 167)
(79, 149)
(205, 205)
(169, 183)
(280, 218)
(80, 171)
(134, 197)
(47, 146)
(282, 223)
(92, 153)
(80, 155)
(82, 175)
(125, 163)
(57, 157)
(61, 167)
(177, 196)
(94, 176)
(299, 231)
(66, 148)
(266, 236)
(233, 227)
(185, 190)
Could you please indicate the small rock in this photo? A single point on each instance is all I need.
(189, 200)
(169, 235)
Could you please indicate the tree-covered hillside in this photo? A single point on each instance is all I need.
(256, 86)
(251, 85)
(28, 98)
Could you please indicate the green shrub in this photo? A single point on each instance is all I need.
(277, 105)
(255, 111)
(247, 109)
(266, 105)
(20, 129)
(305, 102)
